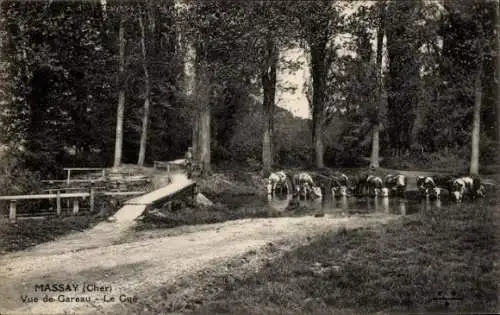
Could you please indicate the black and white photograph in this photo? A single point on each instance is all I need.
(249, 157)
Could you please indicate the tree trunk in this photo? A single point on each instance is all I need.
(205, 138)
(269, 87)
(121, 97)
(202, 132)
(476, 123)
(375, 159)
(196, 137)
(147, 96)
(319, 72)
(497, 34)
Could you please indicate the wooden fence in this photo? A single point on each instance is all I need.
(84, 169)
(58, 196)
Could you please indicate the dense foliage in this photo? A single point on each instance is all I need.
(60, 79)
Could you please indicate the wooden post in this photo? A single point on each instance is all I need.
(92, 199)
(67, 200)
(69, 175)
(12, 211)
(58, 202)
(195, 192)
(103, 173)
(50, 200)
(76, 206)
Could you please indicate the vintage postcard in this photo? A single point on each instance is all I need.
(249, 157)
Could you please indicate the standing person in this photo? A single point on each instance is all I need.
(189, 161)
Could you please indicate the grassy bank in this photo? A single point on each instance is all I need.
(29, 232)
(446, 253)
(192, 215)
(407, 267)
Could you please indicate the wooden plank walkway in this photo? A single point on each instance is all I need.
(134, 208)
(179, 184)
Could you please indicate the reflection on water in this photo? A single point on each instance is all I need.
(279, 203)
(360, 205)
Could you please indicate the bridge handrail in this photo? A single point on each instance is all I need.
(46, 196)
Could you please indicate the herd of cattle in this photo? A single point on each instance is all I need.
(304, 187)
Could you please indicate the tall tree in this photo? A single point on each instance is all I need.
(478, 96)
(318, 22)
(374, 160)
(267, 31)
(121, 96)
(147, 95)
(403, 78)
(202, 91)
(268, 77)
(497, 72)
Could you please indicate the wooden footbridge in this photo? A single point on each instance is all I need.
(179, 186)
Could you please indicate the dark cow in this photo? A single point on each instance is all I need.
(339, 185)
(358, 184)
(396, 184)
(425, 184)
(374, 184)
(481, 191)
(342, 179)
(478, 189)
(444, 181)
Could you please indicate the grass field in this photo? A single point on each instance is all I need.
(30, 232)
(441, 260)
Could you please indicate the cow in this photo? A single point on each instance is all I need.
(339, 185)
(435, 193)
(315, 193)
(342, 179)
(456, 196)
(339, 191)
(277, 180)
(425, 184)
(481, 191)
(374, 184)
(382, 192)
(467, 186)
(396, 184)
(304, 186)
(358, 183)
(478, 189)
(444, 181)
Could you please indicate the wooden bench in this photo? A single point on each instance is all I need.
(58, 196)
(86, 169)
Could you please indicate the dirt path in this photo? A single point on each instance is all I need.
(135, 268)
(109, 233)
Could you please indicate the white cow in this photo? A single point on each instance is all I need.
(436, 193)
(304, 186)
(277, 180)
(381, 192)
